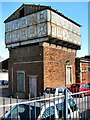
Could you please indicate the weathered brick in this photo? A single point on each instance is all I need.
(46, 61)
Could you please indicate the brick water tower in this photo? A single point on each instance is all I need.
(42, 44)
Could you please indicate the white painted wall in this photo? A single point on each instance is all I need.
(3, 75)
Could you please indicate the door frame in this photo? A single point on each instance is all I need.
(17, 81)
(32, 76)
(69, 66)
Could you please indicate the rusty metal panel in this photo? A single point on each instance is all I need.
(8, 38)
(15, 25)
(70, 36)
(70, 26)
(15, 36)
(41, 29)
(8, 27)
(41, 16)
(59, 20)
(32, 19)
(53, 30)
(23, 34)
(48, 15)
(23, 22)
(64, 29)
(41, 24)
(65, 35)
(77, 30)
(79, 40)
(48, 29)
(32, 31)
(59, 33)
(54, 18)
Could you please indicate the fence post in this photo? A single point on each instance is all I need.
(66, 104)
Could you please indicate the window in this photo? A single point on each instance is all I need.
(21, 81)
(85, 86)
(68, 75)
(33, 85)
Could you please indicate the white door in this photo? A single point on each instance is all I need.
(68, 75)
(33, 86)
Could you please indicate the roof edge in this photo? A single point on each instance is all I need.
(46, 7)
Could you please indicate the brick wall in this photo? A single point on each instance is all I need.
(50, 68)
(85, 75)
(77, 67)
(55, 58)
(29, 60)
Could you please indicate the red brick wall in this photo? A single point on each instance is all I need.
(85, 75)
(55, 65)
(51, 71)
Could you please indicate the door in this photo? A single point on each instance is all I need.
(33, 86)
(21, 81)
(68, 75)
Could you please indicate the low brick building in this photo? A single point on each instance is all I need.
(42, 49)
(85, 69)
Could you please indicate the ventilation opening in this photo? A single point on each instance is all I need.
(22, 12)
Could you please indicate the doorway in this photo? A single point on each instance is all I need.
(21, 81)
(68, 75)
(33, 86)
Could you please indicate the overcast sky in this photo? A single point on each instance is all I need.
(77, 11)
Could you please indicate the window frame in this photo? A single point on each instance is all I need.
(71, 75)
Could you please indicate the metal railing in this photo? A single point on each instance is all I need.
(43, 107)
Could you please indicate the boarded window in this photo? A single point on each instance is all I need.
(33, 86)
(21, 81)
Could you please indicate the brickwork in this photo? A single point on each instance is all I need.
(29, 60)
(47, 61)
(85, 75)
(55, 58)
